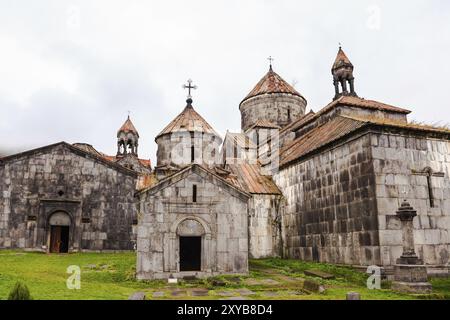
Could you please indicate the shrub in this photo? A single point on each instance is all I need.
(19, 292)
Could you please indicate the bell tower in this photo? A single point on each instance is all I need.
(343, 79)
(127, 139)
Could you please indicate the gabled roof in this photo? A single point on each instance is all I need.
(249, 178)
(318, 137)
(272, 83)
(89, 148)
(262, 123)
(343, 101)
(128, 126)
(342, 126)
(363, 103)
(241, 140)
(201, 171)
(188, 120)
(76, 150)
(341, 60)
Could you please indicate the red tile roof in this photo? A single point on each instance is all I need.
(249, 178)
(241, 140)
(363, 103)
(128, 127)
(272, 83)
(341, 59)
(318, 137)
(188, 120)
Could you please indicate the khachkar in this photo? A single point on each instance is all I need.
(410, 274)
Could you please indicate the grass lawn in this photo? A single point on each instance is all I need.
(111, 276)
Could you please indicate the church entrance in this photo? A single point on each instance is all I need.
(59, 228)
(190, 253)
(59, 239)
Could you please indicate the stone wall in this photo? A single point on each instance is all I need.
(400, 163)
(220, 210)
(330, 213)
(264, 226)
(278, 108)
(98, 198)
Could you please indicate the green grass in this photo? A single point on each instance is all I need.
(111, 276)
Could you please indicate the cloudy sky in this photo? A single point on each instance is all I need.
(71, 70)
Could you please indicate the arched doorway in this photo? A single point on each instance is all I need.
(59, 227)
(190, 233)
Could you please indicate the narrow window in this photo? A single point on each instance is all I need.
(194, 193)
(289, 114)
(269, 145)
(430, 188)
(192, 154)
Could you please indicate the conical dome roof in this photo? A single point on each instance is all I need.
(272, 83)
(188, 120)
(341, 60)
(128, 126)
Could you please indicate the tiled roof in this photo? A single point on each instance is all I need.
(341, 126)
(343, 101)
(249, 178)
(293, 126)
(318, 137)
(363, 103)
(188, 120)
(241, 140)
(262, 123)
(90, 149)
(128, 127)
(144, 162)
(272, 83)
(341, 59)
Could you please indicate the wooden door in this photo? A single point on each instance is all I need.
(55, 239)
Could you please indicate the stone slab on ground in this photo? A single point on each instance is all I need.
(235, 298)
(225, 293)
(137, 296)
(245, 292)
(319, 274)
(270, 294)
(158, 294)
(270, 282)
(178, 293)
(199, 292)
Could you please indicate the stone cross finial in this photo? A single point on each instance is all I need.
(189, 86)
(270, 61)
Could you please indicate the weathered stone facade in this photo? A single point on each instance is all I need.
(169, 211)
(415, 167)
(330, 212)
(97, 196)
(265, 226)
(277, 108)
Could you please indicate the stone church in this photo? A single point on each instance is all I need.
(318, 186)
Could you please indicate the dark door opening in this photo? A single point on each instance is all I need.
(59, 239)
(190, 253)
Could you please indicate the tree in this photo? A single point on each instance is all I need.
(19, 292)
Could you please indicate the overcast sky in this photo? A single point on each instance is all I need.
(70, 70)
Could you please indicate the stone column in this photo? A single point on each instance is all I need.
(406, 214)
(410, 274)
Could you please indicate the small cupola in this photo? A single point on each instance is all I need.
(343, 79)
(127, 139)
